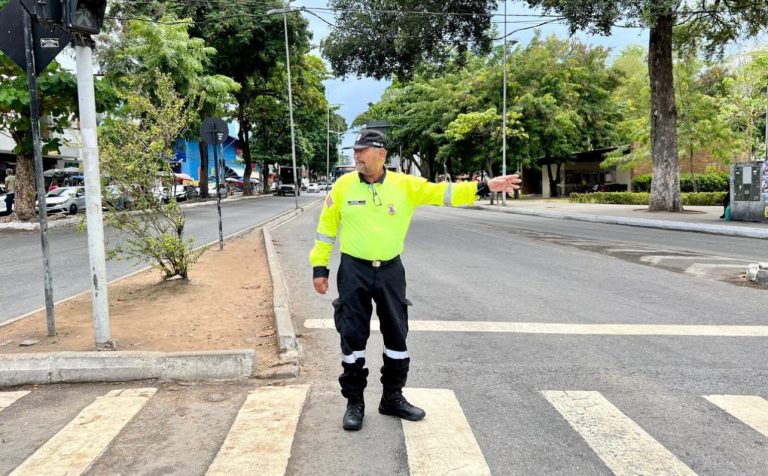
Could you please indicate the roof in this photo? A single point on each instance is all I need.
(596, 155)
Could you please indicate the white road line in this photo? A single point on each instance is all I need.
(261, 437)
(655, 259)
(703, 269)
(751, 409)
(74, 449)
(443, 442)
(578, 329)
(7, 398)
(623, 446)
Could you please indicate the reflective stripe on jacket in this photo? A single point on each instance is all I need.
(376, 217)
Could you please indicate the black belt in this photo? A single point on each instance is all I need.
(378, 263)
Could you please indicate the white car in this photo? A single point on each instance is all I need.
(313, 188)
(65, 199)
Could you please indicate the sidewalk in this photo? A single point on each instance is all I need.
(695, 218)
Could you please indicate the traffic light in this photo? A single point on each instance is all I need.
(49, 11)
(85, 16)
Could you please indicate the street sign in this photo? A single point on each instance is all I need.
(214, 131)
(49, 41)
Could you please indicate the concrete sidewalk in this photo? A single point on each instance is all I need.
(695, 218)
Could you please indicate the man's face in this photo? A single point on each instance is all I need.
(370, 160)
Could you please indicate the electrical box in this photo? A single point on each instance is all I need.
(749, 191)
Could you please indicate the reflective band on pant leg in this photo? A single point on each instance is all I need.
(352, 358)
(393, 354)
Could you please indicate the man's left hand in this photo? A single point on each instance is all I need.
(505, 183)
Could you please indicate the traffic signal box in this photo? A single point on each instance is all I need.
(85, 16)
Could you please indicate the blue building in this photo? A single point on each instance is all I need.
(187, 160)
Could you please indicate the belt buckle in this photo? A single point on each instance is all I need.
(376, 263)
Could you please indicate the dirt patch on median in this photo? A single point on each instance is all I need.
(226, 304)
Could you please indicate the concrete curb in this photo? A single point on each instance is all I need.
(285, 332)
(745, 232)
(92, 366)
(62, 367)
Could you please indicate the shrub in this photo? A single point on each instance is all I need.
(711, 182)
(642, 198)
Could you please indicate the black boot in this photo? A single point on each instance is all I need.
(395, 404)
(353, 417)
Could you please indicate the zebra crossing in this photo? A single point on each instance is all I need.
(260, 438)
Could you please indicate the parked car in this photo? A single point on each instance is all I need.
(313, 188)
(212, 190)
(65, 199)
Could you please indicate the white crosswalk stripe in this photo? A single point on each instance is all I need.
(443, 442)
(261, 437)
(623, 446)
(750, 409)
(260, 440)
(7, 398)
(73, 449)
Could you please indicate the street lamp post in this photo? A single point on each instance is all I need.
(285, 11)
(328, 146)
(504, 110)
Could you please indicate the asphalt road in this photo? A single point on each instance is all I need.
(477, 266)
(21, 273)
(639, 403)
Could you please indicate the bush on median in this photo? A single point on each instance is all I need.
(642, 198)
(711, 182)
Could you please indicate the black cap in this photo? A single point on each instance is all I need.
(371, 138)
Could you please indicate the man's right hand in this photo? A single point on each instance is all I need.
(321, 285)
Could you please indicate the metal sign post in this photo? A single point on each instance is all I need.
(34, 111)
(213, 133)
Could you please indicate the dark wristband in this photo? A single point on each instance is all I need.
(482, 189)
(320, 272)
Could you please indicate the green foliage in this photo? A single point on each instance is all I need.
(710, 182)
(612, 198)
(134, 148)
(643, 198)
(560, 101)
(391, 38)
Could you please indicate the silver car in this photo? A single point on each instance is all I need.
(65, 199)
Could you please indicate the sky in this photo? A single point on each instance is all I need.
(354, 94)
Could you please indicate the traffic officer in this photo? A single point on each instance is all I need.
(374, 207)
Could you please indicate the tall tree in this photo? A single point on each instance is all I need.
(390, 38)
(140, 48)
(250, 46)
(705, 24)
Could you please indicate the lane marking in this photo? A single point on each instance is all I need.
(7, 398)
(656, 259)
(261, 437)
(74, 449)
(751, 409)
(443, 442)
(577, 329)
(704, 269)
(623, 446)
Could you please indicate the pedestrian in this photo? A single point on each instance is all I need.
(54, 186)
(374, 208)
(10, 191)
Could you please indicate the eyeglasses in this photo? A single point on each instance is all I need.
(376, 197)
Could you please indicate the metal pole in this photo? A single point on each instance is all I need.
(34, 116)
(95, 220)
(328, 147)
(290, 108)
(766, 126)
(218, 195)
(504, 111)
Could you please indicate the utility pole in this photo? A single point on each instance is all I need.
(90, 155)
(34, 116)
(328, 147)
(504, 111)
(296, 181)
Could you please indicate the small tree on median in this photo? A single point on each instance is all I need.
(134, 147)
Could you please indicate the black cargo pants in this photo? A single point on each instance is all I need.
(361, 283)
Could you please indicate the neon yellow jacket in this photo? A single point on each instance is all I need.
(375, 217)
